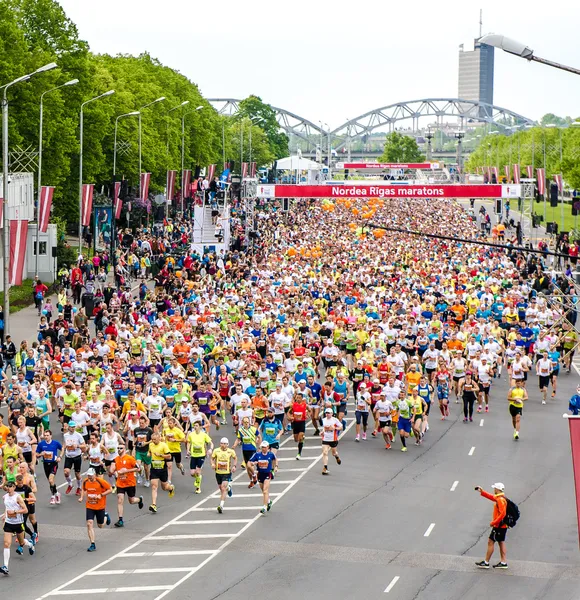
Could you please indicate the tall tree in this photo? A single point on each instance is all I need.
(264, 116)
(400, 149)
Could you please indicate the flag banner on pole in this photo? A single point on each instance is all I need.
(541, 181)
(117, 189)
(253, 170)
(18, 235)
(488, 171)
(44, 205)
(516, 173)
(244, 170)
(171, 177)
(210, 172)
(185, 181)
(558, 180)
(507, 172)
(118, 207)
(87, 203)
(496, 173)
(530, 170)
(574, 424)
(145, 178)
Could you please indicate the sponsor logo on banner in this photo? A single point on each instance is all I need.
(387, 165)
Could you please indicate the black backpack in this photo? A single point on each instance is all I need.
(512, 514)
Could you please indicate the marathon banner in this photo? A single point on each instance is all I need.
(253, 170)
(488, 171)
(118, 207)
(185, 184)
(541, 181)
(244, 170)
(87, 203)
(144, 188)
(495, 171)
(170, 189)
(380, 190)
(210, 172)
(44, 206)
(516, 173)
(18, 234)
(574, 423)
(117, 190)
(342, 165)
(507, 171)
(558, 180)
(530, 169)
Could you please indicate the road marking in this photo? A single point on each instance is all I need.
(192, 536)
(272, 482)
(213, 522)
(213, 509)
(301, 458)
(429, 530)
(472, 451)
(140, 588)
(142, 554)
(144, 571)
(481, 423)
(66, 482)
(300, 470)
(392, 584)
(258, 494)
(454, 486)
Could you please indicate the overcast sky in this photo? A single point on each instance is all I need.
(335, 60)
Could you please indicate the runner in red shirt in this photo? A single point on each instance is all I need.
(298, 413)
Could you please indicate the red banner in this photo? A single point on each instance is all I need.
(530, 170)
(541, 181)
(516, 173)
(1, 213)
(170, 191)
(185, 184)
(383, 165)
(558, 180)
(388, 191)
(118, 207)
(210, 172)
(574, 423)
(507, 172)
(144, 188)
(87, 203)
(244, 170)
(44, 205)
(18, 235)
(253, 170)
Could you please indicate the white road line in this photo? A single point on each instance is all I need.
(192, 536)
(213, 522)
(392, 584)
(577, 369)
(429, 530)
(258, 494)
(287, 458)
(66, 482)
(142, 554)
(472, 451)
(481, 423)
(213, 508)
(143, 571)
(454, 486)
(139, 588)
(297, 470)
(272, 482)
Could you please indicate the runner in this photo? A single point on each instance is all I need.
(265, 463)
(331, 428)
(297, 415)
(96, 490)
(160, 455)
(248, 437)
(384, 409)
(14, 510)
(200, 445)
(74, 447)
(126, 466)
(516, 397)
(49, 450)
(223, 461)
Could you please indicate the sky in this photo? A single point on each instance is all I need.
(332, 61)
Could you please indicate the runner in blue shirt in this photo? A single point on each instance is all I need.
(265, 462)
(271, 430)
(49, 450)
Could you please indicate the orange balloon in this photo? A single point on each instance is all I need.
(379, 233)
(355, 211)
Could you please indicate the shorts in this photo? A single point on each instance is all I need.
(14, 528)
(27, 456)
(99, 469)
(404, 424)
(543, 382)
(143, 457)
(332, 444)
(361, 415)
(457, 378)
(221, 477)
(74, 462)
(298, 427)
(154, 422)
(264, 475)
(498, 534)
(352, 351)
(275, 445)
(196, 462)
(95, 515)
(429, 371)
(383, 424)
(50, 468)
(342, 407)
(131, 491)
(247, 454)
(417, 418)
(176, 456)
(515, 410)
(160, 474)
(31, 509)
(555, 373)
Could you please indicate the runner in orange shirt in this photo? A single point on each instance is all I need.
(96, 491)
(125, 468)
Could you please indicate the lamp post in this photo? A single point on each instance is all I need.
(109, 93)
(58, 87)
(183, 146)
(459, 137)
(130, 114)
(252, 122)
(140, 145)
(429, 136)
(6, 217)
(184, 103)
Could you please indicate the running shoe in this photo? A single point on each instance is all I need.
(500, 565)
(68, 490)
(31, 550)
(404, 449)
(387, 446)
(182, 469)
(374, 433)
(482, 564)
(4, 570)
(172, 491)
(107, 519)
(543, 402)
(466, 420)
(298, 456)
(487, 408)
(78, 492)
(120, 523)
(91, 548)
(52, 500)
(316, 433)
(220, 509)
(516, 435)
(198, 490)
(251, 484)
(269, 505)
(19, 551)
(357, 438)
(153, 508)
(34, 538)
(147, 484)
(243, 465)
(479, 409)
(263, 511)
(140, 505)
(338, 461)
(230, 491)
(364, 437)
(325, 471)
(471, 419)
(57, 497)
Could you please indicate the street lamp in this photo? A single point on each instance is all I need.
(514, 47)
(109, 93)
(184, 103)
(129, 114)
(58, 87)
(459, 137)
(183, 146)
(6, 217)
(139, 111)
(253, 121)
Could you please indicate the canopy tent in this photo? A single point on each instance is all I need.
(297, 163)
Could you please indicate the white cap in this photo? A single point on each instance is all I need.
(264, 444)
(328, 410)
(498, 486)
(224, 440)
(91, 471)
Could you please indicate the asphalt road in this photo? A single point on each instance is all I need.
(384, 524)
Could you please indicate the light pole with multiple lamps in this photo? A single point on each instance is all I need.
(6, 217)
(129, 114)
(58, 87)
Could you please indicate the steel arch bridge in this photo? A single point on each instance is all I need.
(466, 111)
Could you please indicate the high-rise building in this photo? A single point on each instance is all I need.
(475, 81)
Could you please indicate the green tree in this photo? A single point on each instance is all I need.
(264, 116)
(400, 149)
(238, 133)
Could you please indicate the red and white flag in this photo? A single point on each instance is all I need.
(118, 207)
(117, 189)
(87, 203)
(244, 170)
(541, 181)
(488, 171)
(574, 423)
(496, 173)
(530, 171)
(253, 170)
(170, 189)
(145, 178)
(185, 184)
(44, 205)
(516, 173)
(18, 235)
(210, 172)
(558, 180)
(507, 172)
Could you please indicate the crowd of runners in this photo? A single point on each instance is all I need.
(323, 323)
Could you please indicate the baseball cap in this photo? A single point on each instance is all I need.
(91, 471)
(264, 444)
(72, 424)
(224, 440)
(498, 486)
(328, 411)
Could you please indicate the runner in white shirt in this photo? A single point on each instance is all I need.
(544, 370)
(384, 409)
(331, 428)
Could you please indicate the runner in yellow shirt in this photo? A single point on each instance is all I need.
(160, 454)
(173, 436)
(224, 461)
(198, 442)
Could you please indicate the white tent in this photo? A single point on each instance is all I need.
(296, 163)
